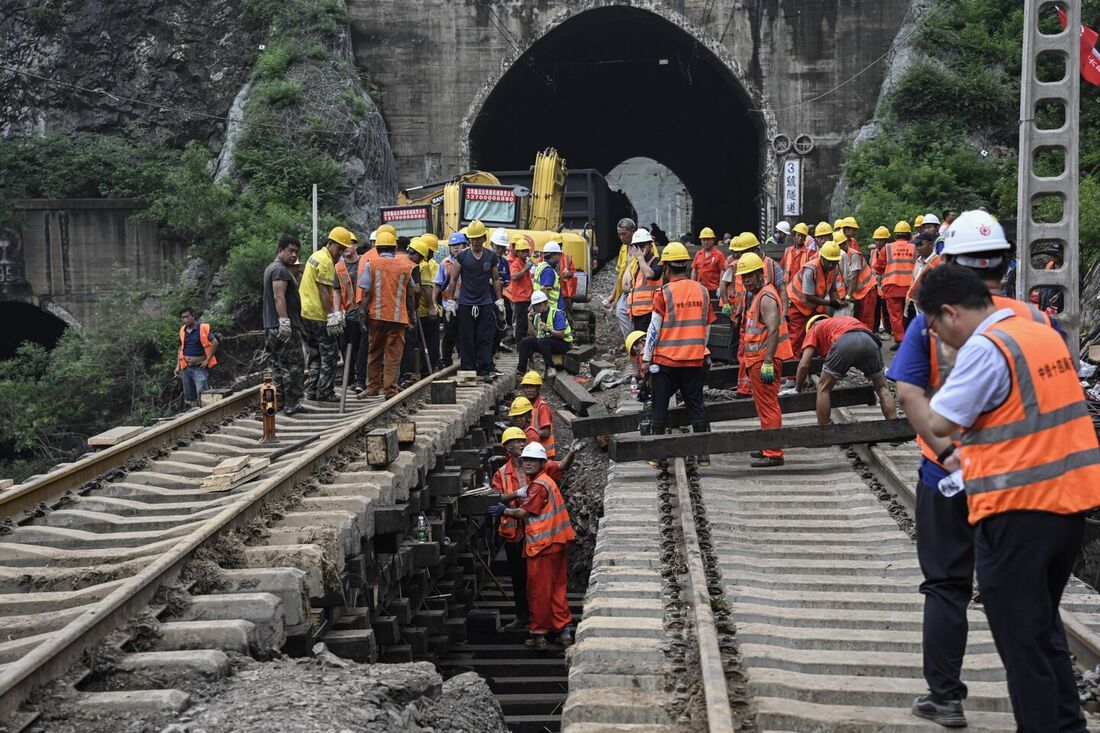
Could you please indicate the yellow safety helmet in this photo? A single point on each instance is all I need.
(830, 251)
(734, 242)
(918, 221)
(882, 233)
(837, 224)
(902, 227)
(475, 229)
(512, 434)
(520, 406)
(801, 228)
(386, 228)
(531, 379)
(822, 229)
(707, 233)
(385, 239)
(750, 262)
(744, 241)
(419, 246)
(839, 236)
(632, 338)
(675, 252)
(341, 236)
(810, 323)
(850, 221)
(431, 240)
(523, 242)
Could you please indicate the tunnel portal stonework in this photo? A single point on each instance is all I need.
(438, 63)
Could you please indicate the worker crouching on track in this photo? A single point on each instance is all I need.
(845, 343)
(676, 343)
(389, 285)
(547, 532)
(1031, 468)
(766, 343)
(521, 413)
(635, 349)
(552, 334)
(542, 417)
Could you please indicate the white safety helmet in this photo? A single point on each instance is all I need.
(538, 297)
(931, 219)
(374, 235)
(974, 231)
(641, 236)
(500, 237)
(551, 248)
(783, 227)
(534, 450)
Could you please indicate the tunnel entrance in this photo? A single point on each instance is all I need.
(615, 83)
(656, 193)
(27, 322)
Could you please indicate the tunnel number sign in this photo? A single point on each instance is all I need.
(792, 187)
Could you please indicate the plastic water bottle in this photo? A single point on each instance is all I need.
(633, 386)
(423, 531)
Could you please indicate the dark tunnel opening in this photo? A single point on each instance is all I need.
(26, 322)
(626, 83)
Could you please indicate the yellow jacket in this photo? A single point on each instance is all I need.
(621, 264)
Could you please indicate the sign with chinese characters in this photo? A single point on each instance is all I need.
(409, 221)
(490, 204)
(792, 187)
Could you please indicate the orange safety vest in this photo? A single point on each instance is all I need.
(204, 339)
(683, 337)
(1037, 450)
(865, 281)
(792, 261)
(553, 525)
(568, 285)
(754, 334)
(350, 292)
(822, 283)
(507, 481)
(932, 263)
(541, 408)
(390, 278)
(641, 295)
(899, 264)
(773, 272)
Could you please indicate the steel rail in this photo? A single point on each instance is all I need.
(53, 657)
(53, 485)
(712, 672)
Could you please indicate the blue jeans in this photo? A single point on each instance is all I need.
(194, 383)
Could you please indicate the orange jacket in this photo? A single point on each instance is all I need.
(896, 261)
(207, 346)
(519, 289)
(507, 481)
(684, 306)
(541, 417)
(641, 296)
(551, 526)
(390, 277)
(568, 284)
(738, 297)
(349, 292)
(865, 281)
(754, 332)
(823, 282)
(1036, 451)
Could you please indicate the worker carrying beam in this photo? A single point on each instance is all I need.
(547, 533)
(676, 353)
(845, 343)
(766, 343)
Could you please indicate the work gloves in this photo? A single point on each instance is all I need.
(767, 372)
(450, 308)
(335, 323)
(727, 310)
(521, 492)
(496, 510)
(284, 329)
(500, 305)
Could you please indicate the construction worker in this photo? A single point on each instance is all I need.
(945, 539)
(850, 227)
(501, 246)
(815, 288)
(931, 225)
(546, 277)
(709, 263)
(427, 310)
(567, 271)
(766, 343)
(647, 278)
(520, 288)
(925, 261)
(676, 353)
(521, 412)
(873, 316)
(347, 295)
(196, 356)
(624, 277)
(860, 283)
(542, 417)
(389, 285)
(552, 334)
(1031, 468)
(895, 262)
(457, 244)
(795, 253)
(777, 242)
(635, 349)
(747, 243)
(845, 343)
(511, 481)
(475, 300)
(414, 361)
(547, 533)
(322, 323)
(282, 314)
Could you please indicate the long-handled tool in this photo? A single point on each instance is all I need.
(347, 368)
(424, 344)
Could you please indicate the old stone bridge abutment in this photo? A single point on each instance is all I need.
(702, 86)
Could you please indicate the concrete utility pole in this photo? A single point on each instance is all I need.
(1032, 189)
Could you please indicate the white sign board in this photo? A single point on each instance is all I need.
(792, 187)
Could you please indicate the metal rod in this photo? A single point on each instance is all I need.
(347, 368)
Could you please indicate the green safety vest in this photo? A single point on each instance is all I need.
(553, 294)
(545, 321)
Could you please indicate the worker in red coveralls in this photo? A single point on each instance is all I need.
(511, 482)
(708, 264)
(542, 418)
(547, 533)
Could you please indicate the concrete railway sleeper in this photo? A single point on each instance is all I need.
(329, 553)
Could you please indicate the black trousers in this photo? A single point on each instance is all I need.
(1024, 560)
(357, 337)
(664, 384)
(450, 341)
(545, 346)
(945, 549)
(517, 568)
(735, 340)
(641, 323)
(519, 313)
(430, 324)
(475, 337)
(412, 360)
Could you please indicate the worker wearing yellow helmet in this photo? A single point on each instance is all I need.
(519, 288)
(427, 309)
(635, 346)
(795, 254)
(708, 263)
(322, 321)
(542, 418)
(676, 352)
(816, 287)
(896, 262)
(860, 284)
(511, 482)
(390, 282)
(481, 291)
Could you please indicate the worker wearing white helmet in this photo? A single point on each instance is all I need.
(778, 240)
(930, 224)
(548, 531)
(546, 278)
(648, 274)
(550, 333)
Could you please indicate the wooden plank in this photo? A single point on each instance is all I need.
(585, 427)
(574, 394)
(6, 483)
(231, 465)
(647, 447)
(114, 436)
(726, 376)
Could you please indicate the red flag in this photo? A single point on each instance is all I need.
(1090, 57)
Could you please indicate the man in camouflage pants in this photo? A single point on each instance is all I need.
(283, 326)
(322, 319)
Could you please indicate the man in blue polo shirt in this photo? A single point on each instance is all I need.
(196, 355)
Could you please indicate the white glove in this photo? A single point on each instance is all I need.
(521, 492)
(450, 307)
(335, 323)
(951, 484)
(284, 329)
(500, 305)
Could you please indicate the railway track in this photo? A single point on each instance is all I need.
(104, 533)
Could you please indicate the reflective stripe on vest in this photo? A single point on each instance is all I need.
(347, 287)
(204, 339)
(754, 335)
(772, 273)
(822, 282)
(900, 255)
(553, 293)
(1038, 449)
(641, 296)
(553, 525)
(548, 443)
(389, 280)
(545, 321)
(865, 281)
(510, 528)
(683, 335)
